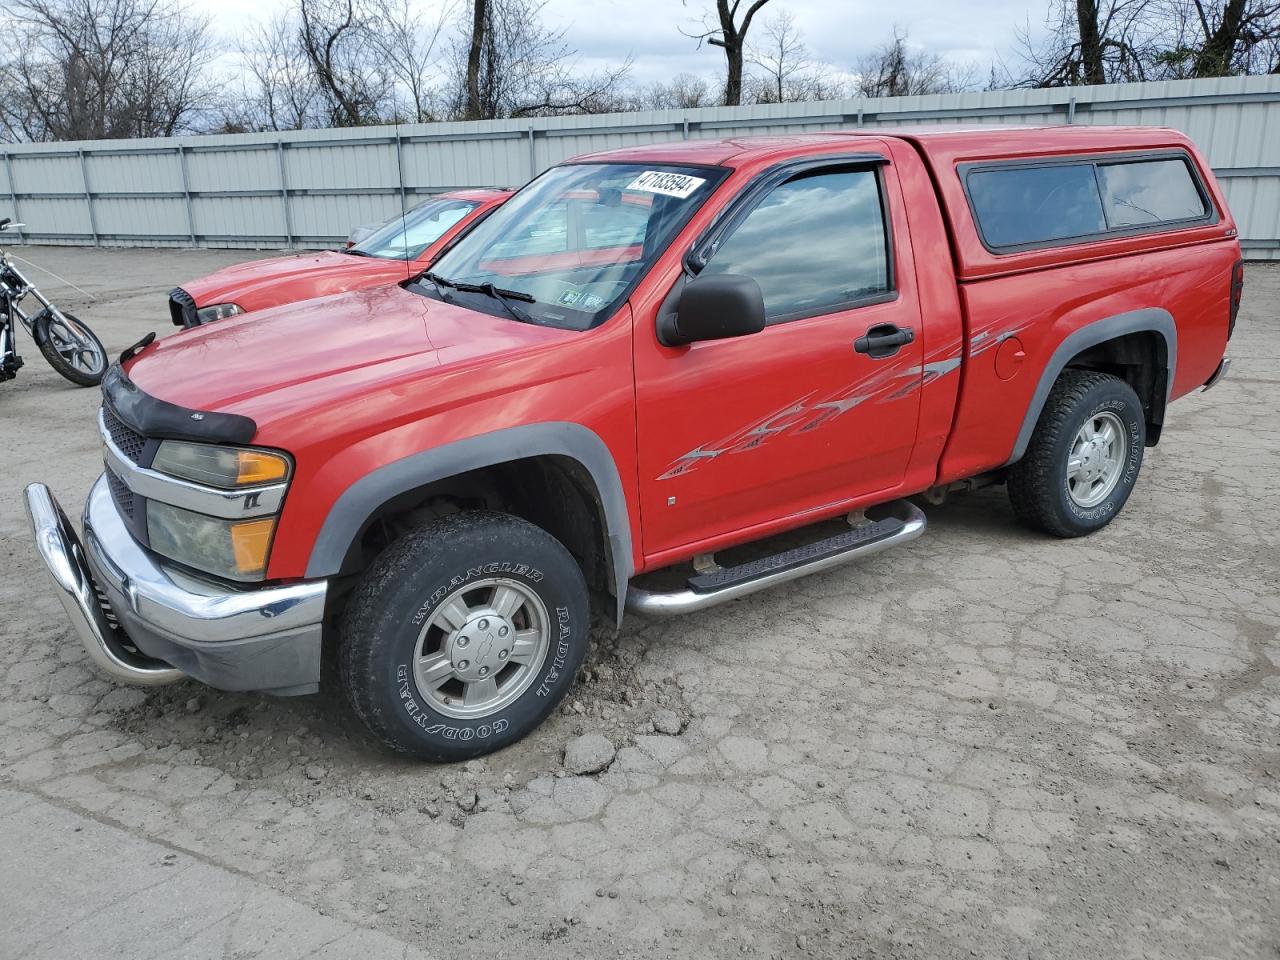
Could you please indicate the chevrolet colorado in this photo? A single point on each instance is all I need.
(641, 362)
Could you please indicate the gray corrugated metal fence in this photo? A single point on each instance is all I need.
(307, 188)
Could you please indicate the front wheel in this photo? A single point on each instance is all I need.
(1084, 456)
(72, 349)
(464, 635)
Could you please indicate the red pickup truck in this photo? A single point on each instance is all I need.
(401, 247)
(618, 388)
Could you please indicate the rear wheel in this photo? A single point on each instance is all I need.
(73, 350)
(1084, 456)
(464, 635)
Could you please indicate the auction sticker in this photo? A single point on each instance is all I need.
(668, 184)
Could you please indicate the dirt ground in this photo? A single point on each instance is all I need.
(986, 743)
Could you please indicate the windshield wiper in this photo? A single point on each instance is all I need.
(353, 252)
(434, 278)
(503, 296)
(440, 283)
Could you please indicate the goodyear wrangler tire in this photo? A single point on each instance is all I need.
(1084, 456)
(464, 635)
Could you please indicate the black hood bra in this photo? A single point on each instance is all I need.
(160, 419)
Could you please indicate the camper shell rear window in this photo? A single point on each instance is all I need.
(1028, 204)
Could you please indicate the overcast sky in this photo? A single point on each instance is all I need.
(837, 32)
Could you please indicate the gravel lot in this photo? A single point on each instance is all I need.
(986, 743)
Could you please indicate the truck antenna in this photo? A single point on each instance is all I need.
(404, 215)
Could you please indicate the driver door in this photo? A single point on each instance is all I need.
(742, 435)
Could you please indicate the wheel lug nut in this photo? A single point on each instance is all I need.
(503, 631)
(502, 654)
(484, 671)
(463, 641)
(484, 624)
(463, 664)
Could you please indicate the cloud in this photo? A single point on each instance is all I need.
(606, 32)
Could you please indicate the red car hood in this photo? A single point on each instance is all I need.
(287, 361)
(259, 284)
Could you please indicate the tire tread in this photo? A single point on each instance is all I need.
(367, 607)
(1033, 478)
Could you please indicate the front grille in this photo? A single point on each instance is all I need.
(182, 308)
(127, 440)
(121, 494)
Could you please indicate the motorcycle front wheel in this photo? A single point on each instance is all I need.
(72, 349)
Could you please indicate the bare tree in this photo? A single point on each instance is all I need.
(94, 69)
(1091, 47)
(1119, 41)
(338, 43)
(684, 91)
(524, 68)
(341, 63)
(781, 59)
(729, 32)
(278, 89)
(1216, 53)
(784, 71)
(1199, 39)
(478, 40)
(896, 70)
(1091, 41)
(407, 40)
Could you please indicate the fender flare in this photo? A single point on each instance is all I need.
(360, 501)
(1147, 320)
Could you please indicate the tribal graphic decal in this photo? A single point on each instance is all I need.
(985, 339)
(810, 412)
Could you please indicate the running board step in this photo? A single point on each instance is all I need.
(905, 522)
(807, 555)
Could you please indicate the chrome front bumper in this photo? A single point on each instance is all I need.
(257, 639)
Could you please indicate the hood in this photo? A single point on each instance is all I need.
(259, 284)
(284, 361)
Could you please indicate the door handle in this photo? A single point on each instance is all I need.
(883, 340)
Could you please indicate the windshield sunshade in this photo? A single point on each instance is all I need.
(407, 237)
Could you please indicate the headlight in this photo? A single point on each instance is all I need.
(218, 311)
(235, 549)
(217, 466)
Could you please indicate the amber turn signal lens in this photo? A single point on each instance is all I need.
(255, 466)
(249, 543)
(214, 465)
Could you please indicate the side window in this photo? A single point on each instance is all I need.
(1025, 205)
(1020, 205)
(813, 244)
(1149, 191)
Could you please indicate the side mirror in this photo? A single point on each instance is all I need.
(713, 307)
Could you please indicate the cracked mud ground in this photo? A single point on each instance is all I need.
(986, 743)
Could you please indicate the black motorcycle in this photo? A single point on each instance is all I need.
(70, 347)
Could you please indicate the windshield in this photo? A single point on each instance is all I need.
(572, 243)
(407, 237)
